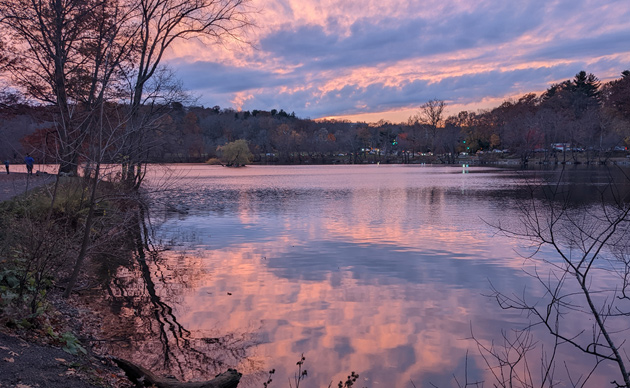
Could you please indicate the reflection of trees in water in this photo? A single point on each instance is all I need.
(144, 328)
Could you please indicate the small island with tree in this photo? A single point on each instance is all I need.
(235, 154)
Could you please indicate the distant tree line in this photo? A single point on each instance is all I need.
(577, 118)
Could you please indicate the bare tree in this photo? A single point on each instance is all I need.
(161, 22)
(45, 37)
(431, 116)
(586, 283)
(432, 112)
(67, 54)
(106, 141)
(70, 54)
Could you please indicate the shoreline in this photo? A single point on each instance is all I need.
(32, 350)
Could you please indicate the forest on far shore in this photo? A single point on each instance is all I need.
(578, 118)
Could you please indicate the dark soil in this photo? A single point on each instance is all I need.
(27, 364)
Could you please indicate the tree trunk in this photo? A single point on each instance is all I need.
(144, 377)
(86, 236)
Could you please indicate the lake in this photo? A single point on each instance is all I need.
(378, 269)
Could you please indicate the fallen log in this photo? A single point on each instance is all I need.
(144, 378)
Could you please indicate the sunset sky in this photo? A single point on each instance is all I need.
(381, 59)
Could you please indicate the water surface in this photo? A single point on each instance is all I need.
(380, 270)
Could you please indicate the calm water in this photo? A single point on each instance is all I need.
(380, 270)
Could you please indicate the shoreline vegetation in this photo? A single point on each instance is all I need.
(579, 120)
(617, 158)
(620, 158)
(45, 336)
(37, 242)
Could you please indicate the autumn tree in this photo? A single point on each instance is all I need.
(67, 54)
(45, 37)
(287, 141)
(235, 154)
(616, 107)
(576, 104)
(515, 120)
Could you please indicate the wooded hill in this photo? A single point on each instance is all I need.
(578, 117)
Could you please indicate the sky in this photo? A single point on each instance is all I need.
(366, 60)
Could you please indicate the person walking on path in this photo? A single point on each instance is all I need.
(29, 161)
(6, 165)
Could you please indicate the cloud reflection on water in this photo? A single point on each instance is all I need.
(377, 271)
(377, 280)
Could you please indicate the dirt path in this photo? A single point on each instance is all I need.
(16, 183)
(24, 364)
